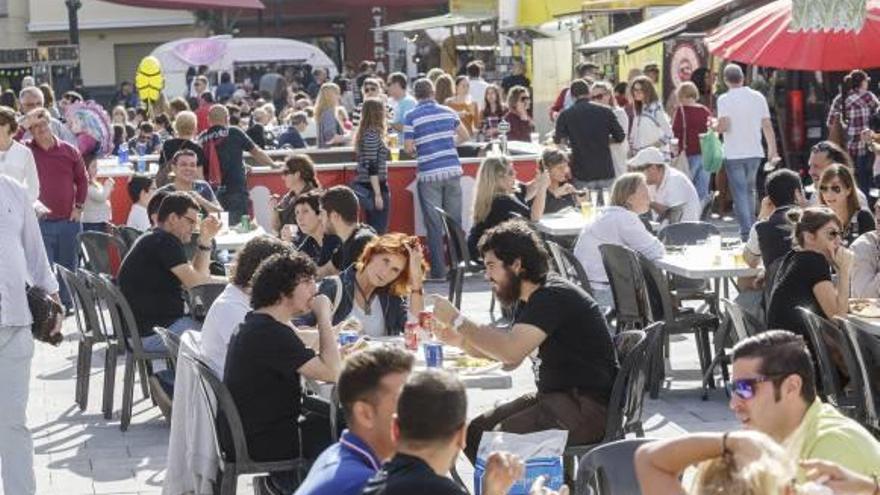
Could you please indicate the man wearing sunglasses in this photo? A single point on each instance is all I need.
(773, 391)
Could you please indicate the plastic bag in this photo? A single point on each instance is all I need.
(712, 151)
(541, 451)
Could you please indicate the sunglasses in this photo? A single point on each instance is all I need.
(834, 234)
(370, 88)
(746, 388)
(834, 189)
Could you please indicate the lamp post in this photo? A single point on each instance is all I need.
(73, 26)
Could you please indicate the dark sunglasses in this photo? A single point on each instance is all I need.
(834, 189)
(746, 388)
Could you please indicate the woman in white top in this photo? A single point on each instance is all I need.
(96, 210)
(602, 92)
(617, 224)
(16, 159)
(650, 125)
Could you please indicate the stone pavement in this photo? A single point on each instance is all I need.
(79, 452)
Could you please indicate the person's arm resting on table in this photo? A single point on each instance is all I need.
(198, 272)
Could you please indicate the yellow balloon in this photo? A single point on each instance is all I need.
(149, 79)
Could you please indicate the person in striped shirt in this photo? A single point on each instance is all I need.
(371, 182)
(431, 132)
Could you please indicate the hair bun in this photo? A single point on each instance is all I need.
(794, 215)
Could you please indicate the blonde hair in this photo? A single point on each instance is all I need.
(687, 89)
(325, 99)
(770, 473)
(185, 123)
(625, 186)
(490, 179)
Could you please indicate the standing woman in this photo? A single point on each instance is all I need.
(371, 180)
(493, 111)
(467, 109)
(444, 89)
(602, 92)
(837, 191)
(96, 210)
(299, 178)
(330, 131)
(650, 125)
(853, 109)
(690, 120)
(521, 125)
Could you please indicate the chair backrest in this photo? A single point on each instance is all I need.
(627, 285)
(821, 332)
(224, 412)
(628, 391)
(121, 316)
(68, 278)
(91, 281)
(686, 233)
(865, 384)
(673, 214)
(128, 234)
(626, 341)
(201, 297)
(85, 304)
(102, 252)
(457, 246)
(171, 341)
(708, 206)
(569, 266)
(609, 469)
(741, 330)
(658, 290)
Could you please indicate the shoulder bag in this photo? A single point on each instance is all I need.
(45, 312)
(680, 161)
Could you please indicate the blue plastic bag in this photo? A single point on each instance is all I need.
(541, 451)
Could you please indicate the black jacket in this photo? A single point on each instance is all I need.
(589, 129)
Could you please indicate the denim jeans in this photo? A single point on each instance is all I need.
(154, 343)
(59, 237)
(741, 176)
(699, 176)
(16, 446)
(445, 194)
(378, 219)
(235, 202)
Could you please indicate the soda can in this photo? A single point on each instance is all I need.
(347, 337)
(433, 354)
(426, 320)
(411, 335)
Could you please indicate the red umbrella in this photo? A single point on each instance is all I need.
(762, 37)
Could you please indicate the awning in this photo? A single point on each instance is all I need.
(391, 3)
(193, 4)
(660, 27)
(440, 21)
(627, 5)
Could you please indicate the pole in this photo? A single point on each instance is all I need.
(73, 7)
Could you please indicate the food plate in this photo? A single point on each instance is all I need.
(866, 308)
(467, 365)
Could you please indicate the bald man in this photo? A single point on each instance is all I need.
(224, 147)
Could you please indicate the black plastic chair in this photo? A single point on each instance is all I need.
(128, 234)
(678, 321)
(736, 326)
(871, 419)
(201, 297)
(672, 214)
(631, 306)
(687, 234)
(460, 263)
(567, 265)
(234, 461)
(610, 469)
(172, 344)
(102, 252)
(125, 326)
(625, 406)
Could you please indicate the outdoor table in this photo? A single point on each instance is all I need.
(702, 264)
(570, 222)
(233, 241)
(868, 339)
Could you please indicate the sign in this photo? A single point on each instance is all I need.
(684, 56)
(828, 15)
(379, 52)
(43, 54)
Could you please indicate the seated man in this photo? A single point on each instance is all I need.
(669, 187)
(774, 392)
(292, 136)
(866, 266)
(155, 271)
(153, 207)
(770, 237)
(147, 139)
(186, 170)
(369, 386)
(429, 439)
(577, 359)
(231, 306)
(312, 238)
(140, 190)
(266, 360)
(339, 213)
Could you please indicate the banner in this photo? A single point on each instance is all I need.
(828, 15)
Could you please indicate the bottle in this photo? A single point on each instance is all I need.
(122, 155)
(142, 160)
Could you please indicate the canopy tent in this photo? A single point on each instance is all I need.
(440, 21)
(193, 4)
(221, 53)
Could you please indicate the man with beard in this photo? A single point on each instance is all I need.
(576, 359)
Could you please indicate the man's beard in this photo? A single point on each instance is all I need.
(508, 292)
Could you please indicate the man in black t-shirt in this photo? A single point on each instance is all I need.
(429, 439)
(266, 358)
(224, 147)
(770, 237)
(155, 271)
(576, 359)
(339, 212)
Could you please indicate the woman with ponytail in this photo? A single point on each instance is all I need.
(804, 276)
(853, 109)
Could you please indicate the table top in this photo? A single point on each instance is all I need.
(232, 240)
(870, 325)
(705, 267)
(566, 224)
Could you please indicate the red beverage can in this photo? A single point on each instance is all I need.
(411, 335)
(426, 320)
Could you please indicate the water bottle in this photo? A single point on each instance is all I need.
(142, 160)
(122, 154)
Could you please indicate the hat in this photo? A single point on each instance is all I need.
(646, 157)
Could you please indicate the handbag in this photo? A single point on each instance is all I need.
(680, 161)
(45, 312)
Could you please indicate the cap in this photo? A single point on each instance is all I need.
(647, 156)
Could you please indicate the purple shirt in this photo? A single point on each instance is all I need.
(63, 181)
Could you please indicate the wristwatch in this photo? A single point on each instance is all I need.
(458, 322)
(204, 248)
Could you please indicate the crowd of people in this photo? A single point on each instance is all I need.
(320, 268)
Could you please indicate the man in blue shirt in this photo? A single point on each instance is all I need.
(431, 131)
(400, 98)
(369, 386)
